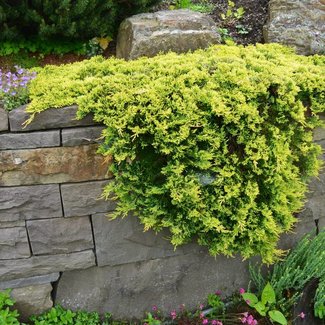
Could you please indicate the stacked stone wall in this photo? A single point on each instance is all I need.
(57, 244)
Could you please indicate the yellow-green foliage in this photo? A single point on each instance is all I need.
(215, 144)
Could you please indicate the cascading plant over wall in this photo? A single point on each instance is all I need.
(214, 145)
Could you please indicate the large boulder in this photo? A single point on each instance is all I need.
(163, 31)
(297, 23)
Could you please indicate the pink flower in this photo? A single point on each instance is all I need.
(201, 315)
(243, 320)
(218, 292)
(205, 321)
(245, 314)
(302, 315)
(214, 322)
(145, 324)
(219, 323)
(241, 291)
(154, 308)
(201, 306)
(173, 314)
(250, 320)
(248, 302)
(254, 322)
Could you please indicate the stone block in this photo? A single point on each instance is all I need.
(52, 165)
(300, 24)
(26, 282)
(80, 199)
(11, 224)
(81, 136)
(30, 140)
(32, 300)
(171, 30)
(53, 118)
(132, 289)
(60, 235)
(4, 125)
(41, 265)
(14, 243)
(123, 241)
(30, 202)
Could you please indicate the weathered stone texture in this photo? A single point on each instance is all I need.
(30, 140)
(25, 282)
(32, 300)
(81, 199)
(4, 125)
(136, 287)
(81, 136)
(29, 202)
(40, 265)
(11, 224)
(14, 243)
(298, 23)
(60, 235)
(52, 165)
(53, 118)
(123, 241)
(176, 30)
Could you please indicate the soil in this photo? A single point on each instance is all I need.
(246, 30)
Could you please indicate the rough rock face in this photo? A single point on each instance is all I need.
(33, 300)
(298, 23)
(129, 290)
(163, 31)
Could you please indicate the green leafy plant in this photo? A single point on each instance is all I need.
(288, 278)
(7, 316)
(233, 13)
(225, 36)
(214, 145)
(265, 306)
(60, 316)
(203, 6)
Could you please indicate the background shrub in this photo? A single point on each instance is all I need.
(214, 145)
(64, 19)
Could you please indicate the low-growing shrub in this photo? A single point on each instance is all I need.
(7, 316)
(214, 145)
(65, 19)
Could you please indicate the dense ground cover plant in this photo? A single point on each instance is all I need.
(215, 144)
(7, 316)
(14, 87)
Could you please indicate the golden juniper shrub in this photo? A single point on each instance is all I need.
(215, 144)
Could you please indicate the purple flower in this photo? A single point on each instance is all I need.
(241, 291)
(173, 314)
(205, 321)
(154, 308)
(218, 292)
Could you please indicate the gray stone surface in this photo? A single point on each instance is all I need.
(132, 289)
(30, 140)
(52, 165)
(123, 241)
(80, 199)
(30, 202)
(60, 235)
(4, 125)
(41, 265)
(298, 23)
(11, 224)
(52, 118)
(14, 243)
(176, 30)
(25, 282)
(32, 300)
(80, 136)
